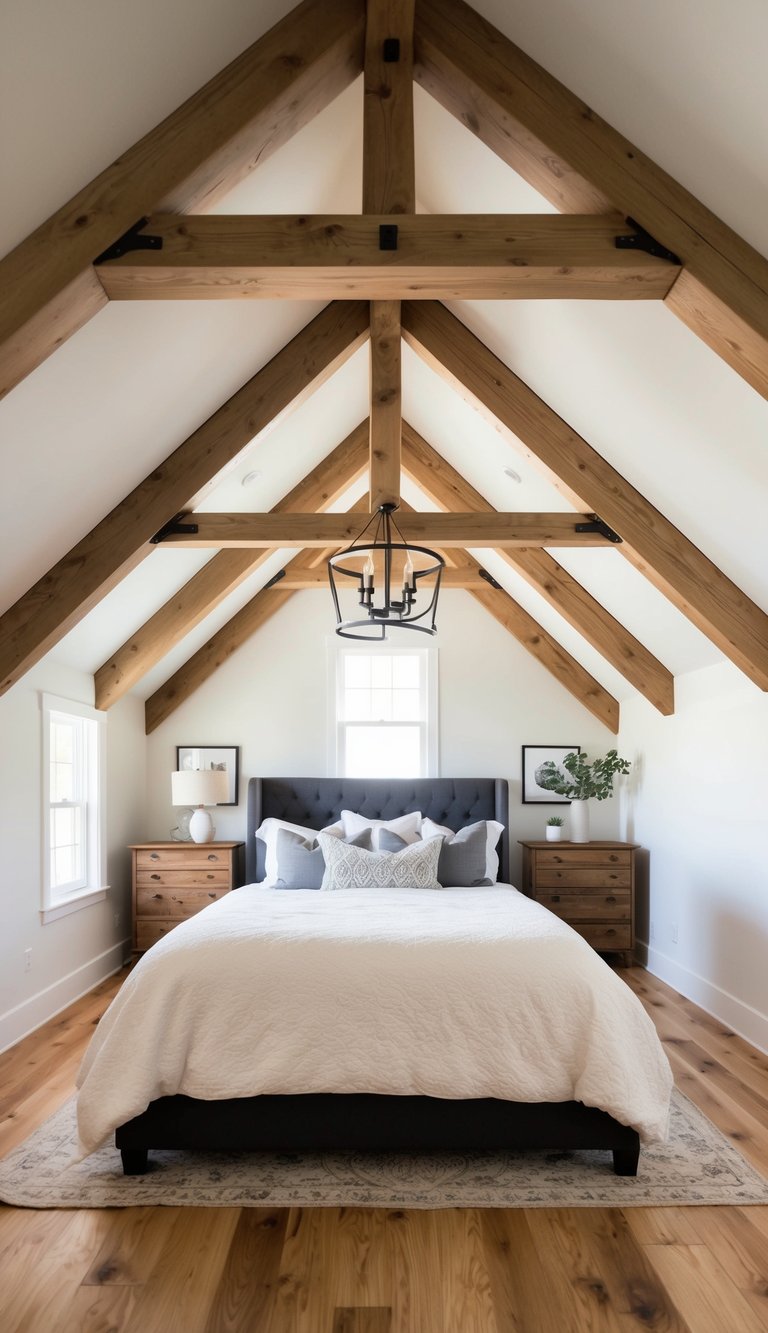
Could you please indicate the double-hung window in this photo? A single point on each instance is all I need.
(385, 712)
(74, 844)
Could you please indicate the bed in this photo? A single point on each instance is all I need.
(337, 1112)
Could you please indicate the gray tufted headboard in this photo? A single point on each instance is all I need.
(315, 802)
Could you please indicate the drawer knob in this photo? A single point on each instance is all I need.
(557, 859)
(154, 877)
(212, 856)
(154, 856)
(157, 897)
(610, 898)
(211, 895)
(555, 897)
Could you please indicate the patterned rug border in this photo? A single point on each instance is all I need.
(41, 1173)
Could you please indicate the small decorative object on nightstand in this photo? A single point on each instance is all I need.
(554, 828)
(173, 881)
(590, 885)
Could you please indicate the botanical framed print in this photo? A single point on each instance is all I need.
(533, 757)
(226, 757)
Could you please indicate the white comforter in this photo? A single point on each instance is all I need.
(458, 993)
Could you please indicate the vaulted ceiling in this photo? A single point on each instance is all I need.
(575, 376)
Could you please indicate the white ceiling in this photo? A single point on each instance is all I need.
(127, 389)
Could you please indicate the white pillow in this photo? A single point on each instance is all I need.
(267, 831)
(348, 867)
(407, 827)
(429, 829)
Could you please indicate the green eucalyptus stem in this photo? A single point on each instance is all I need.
(580, 780)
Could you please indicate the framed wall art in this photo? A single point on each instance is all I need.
(533, 756)
(226, 757)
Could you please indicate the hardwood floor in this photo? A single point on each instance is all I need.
(349, 1270)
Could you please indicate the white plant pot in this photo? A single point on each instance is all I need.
(554, 832)
(579, 821)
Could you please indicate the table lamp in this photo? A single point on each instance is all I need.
(200, 787)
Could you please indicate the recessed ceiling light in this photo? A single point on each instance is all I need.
(513, 476)
(251, 477)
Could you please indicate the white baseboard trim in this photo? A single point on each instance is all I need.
(38, 1009)
(749, 1023)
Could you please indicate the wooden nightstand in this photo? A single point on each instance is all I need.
(591, 885)
(175, 880)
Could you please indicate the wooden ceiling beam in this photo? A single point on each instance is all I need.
(570, 155)
(462, 256)
(224, 573)
(305, 576)
(237, 120)
(650, 542)
(388, 151)
(473, 529)
(447, 488)
(386, 404)
(226, 641)
(75, 584)
(551, 655)
(539, 643)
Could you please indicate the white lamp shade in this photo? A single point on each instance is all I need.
(204, 786)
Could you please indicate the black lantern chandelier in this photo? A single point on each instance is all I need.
(395, 584)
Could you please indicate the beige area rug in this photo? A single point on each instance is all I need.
(697, 1166)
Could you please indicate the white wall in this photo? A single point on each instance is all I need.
(73, 953)
(697, 800)
(270, 698)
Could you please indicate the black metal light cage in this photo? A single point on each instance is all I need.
(400, 612)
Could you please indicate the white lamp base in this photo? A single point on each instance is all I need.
(201, 826)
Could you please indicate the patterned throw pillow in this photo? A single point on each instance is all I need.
(347, 867)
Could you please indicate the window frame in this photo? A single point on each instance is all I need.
(90, 766)
(338, 651)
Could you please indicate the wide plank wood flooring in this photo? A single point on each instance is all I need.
(350, 1270)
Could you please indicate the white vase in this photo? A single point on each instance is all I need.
(553, 832)
(579, 821)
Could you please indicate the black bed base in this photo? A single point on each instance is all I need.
(323, 1122)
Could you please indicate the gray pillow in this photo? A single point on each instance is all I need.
(300, 861)
(462, 857)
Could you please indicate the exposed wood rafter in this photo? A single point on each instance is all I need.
(388, 152)
(188, 162)
(568, 153)
(459, 256)
(56, 603)
(445, 487)
(386, 403)
(654, 545)
(223, 574)
(308, 530)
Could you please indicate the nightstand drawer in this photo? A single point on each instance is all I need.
(161, 902)
(184, 856)
(584, 877)
(573, 907)
(584, 855)
(179, 879)
(605, 937)
(149, 932)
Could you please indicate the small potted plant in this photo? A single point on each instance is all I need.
(554, 828)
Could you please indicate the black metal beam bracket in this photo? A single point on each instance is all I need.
(387, 236)
(640, 239)
(270, 583)
(132, 239)
(489, 579)
(391, 50)
(175, 526)
(597, 525)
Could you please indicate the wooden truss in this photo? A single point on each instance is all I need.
(383, 271)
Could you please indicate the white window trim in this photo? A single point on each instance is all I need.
(53, 907)
(335, 647)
